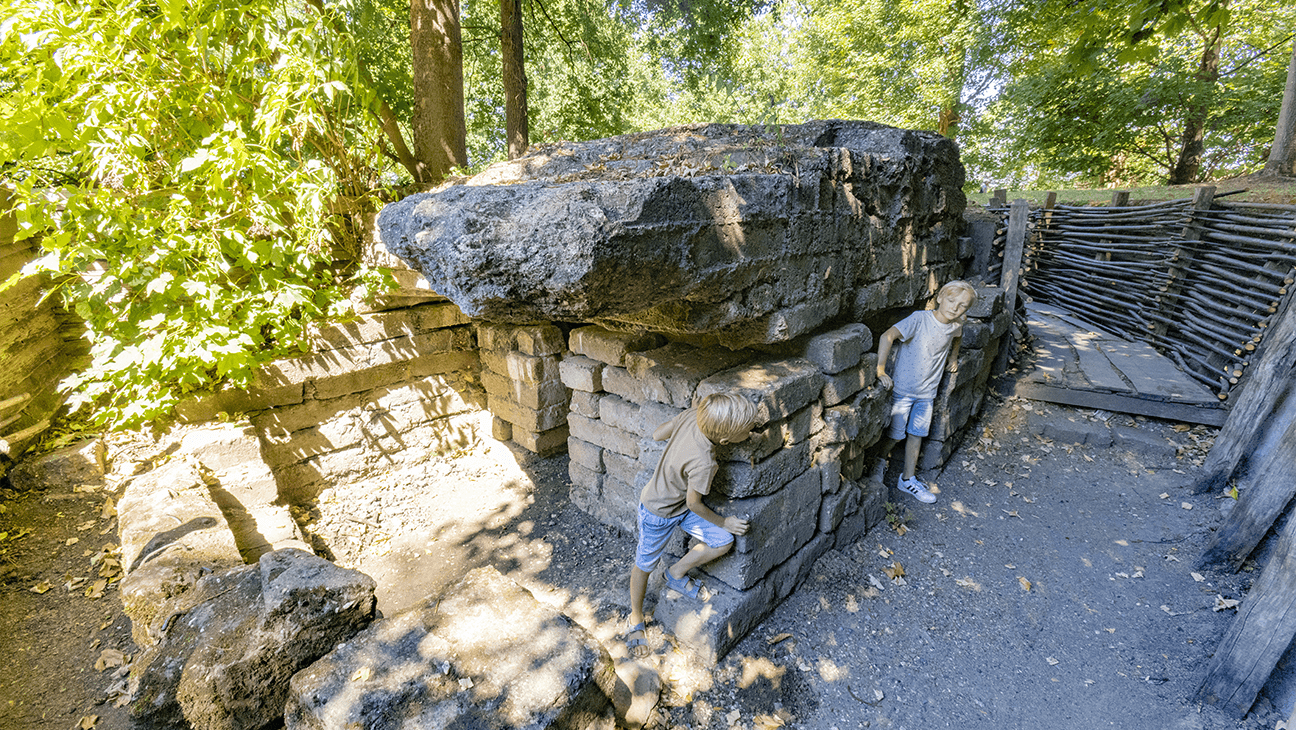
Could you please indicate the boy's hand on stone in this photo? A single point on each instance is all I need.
(951, 368)
(735, 525)
(885, 380)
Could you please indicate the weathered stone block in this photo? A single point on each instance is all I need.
(625, 469)
(672, 373)
(779, 387)
(585, 403)
(850, 381)
(528, 666)
(780, 523)
(529, 369)
(641, 420)
(586, 454)
(600, 434)
(738, 479)
(232, 644)
(581, 373)
(602, 232)
(989, 302)
(608, 346)
(619, 382)
(543, 443)
(585, 479)
(539, 340)
(530, 394)
(709, 631)
(838, 349)
(530, 419)
(172, 532)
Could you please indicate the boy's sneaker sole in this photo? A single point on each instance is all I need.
(916, 489)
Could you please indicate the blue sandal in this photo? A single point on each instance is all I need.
(632, 644)
(686, 585)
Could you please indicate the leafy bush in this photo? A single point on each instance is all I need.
(194, 171)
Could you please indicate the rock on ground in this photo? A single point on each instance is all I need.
(484, 654)
(232, 643)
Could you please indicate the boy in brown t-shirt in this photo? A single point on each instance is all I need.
(673, 498)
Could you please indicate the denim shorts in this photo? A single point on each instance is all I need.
(655, 533)
(910, 415)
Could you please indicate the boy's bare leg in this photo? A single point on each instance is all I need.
(884, 456)
(913, 445)
(699, 554)
(638, 587)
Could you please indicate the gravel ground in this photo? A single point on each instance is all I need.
(1051, 586)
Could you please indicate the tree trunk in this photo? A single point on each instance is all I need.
(436, 43)
(515, 81)
(1282, 156)
(1191, 147)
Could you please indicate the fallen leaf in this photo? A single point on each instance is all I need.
(901, 529)
(1172, 558)
(41, 587)
(1122, 543)
(777, 638)
(733, 717)
(109, 658)
(1186, 505)
(1168, 611)
(465, 683)
(1122, 575)
(1012, 513)
(875, 582)
(87, 722)
(96, 589)
(1110, 631)
(967, 582)
(766, 722)
(109, 509)
(1088, 682)
(1223, 604)
(895, 571)
(72, 541)
(361, 675)
(1052, 662)
(1181, 427)
(1164, 495)
(1025, 584)
(1198, 577)
(1010, 566)
(85, 525)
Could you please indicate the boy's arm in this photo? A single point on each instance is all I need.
(951, 360)
(884, 351)
(733, 525)
(664, 431)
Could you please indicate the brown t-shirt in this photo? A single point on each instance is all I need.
(687, 463)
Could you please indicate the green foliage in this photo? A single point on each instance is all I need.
(193, 171)
(1120, 119)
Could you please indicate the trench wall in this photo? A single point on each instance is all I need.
(40, 344)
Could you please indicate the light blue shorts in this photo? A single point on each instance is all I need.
(655, 533)
(910, 415)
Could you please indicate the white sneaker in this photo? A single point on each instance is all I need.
(915, 488)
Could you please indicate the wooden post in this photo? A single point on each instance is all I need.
(1258, 636)
(1018, 220)
(1264, 493)
(1253, 404)
(1181, 260)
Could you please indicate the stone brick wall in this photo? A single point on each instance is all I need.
(801, 480)
(389, 388)
(40, 344)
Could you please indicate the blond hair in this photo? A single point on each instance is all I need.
(725, 417)
(958, 286)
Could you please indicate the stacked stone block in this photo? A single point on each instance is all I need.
(524, 392)
(383, 390)
(801, 480)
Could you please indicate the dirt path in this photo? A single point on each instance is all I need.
(1049, 587)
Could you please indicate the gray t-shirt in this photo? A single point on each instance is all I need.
(921, 357)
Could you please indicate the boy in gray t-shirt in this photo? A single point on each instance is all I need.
(929, 345)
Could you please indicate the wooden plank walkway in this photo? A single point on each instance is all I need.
(1079, 366)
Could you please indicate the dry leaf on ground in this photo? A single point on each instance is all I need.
(1025, 584)
(777, 638)
(41, 587)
